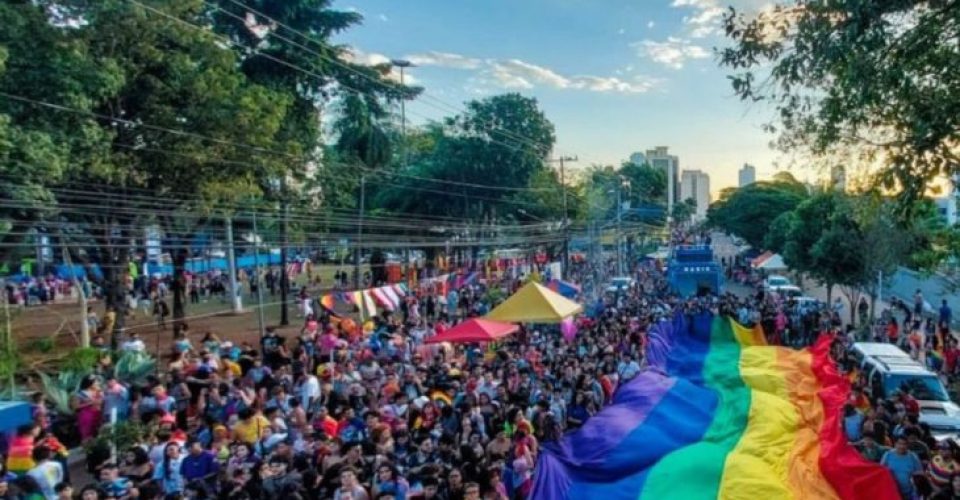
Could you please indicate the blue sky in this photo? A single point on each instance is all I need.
(614, 76)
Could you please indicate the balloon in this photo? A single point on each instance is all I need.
(569, 329)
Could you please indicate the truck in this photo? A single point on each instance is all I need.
(692, 270)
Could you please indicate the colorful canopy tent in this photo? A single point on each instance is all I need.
(756, 261)
(535, 303)
(771, 263)
(475, 330)
(565, 288)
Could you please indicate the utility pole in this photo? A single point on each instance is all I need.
(566, 213)
(285, 241)
(256, 265)
(403, 64)
(619, 228)
(232, 269)
(356, 261)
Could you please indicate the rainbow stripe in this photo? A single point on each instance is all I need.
(719, 414)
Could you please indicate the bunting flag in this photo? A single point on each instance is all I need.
(718, 414)
(369, 304)
(381, 298)
(356, 298)
(391, 296)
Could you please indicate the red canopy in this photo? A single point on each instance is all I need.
(475, 330)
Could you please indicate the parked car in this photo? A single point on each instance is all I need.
(775, 283)
(789, 291)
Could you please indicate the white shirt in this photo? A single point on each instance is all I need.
(133, 345)
(309, 389)
(47, 475)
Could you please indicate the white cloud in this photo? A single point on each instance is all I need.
(504, 78)
(707, 15)
(512, 73)
(639, 85)
(358, 56)
(674, 52)
(444, 60)
(651, 24)
(621, 31)
(383, 17)
(531, 73)
(705, 22)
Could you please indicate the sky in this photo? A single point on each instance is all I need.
(614, 76)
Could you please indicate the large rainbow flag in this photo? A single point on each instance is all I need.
(719, 414)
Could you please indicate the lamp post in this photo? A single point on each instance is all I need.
(403, 64)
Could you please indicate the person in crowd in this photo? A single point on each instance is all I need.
(903, 464)
(335, 408)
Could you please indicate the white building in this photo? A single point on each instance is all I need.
(748, 175)
(695, 184)
(659, 157)
(947, 204)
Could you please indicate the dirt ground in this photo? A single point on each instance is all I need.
(45, 333)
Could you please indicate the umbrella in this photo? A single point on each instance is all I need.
(474, 330)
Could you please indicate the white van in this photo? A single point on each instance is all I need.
(889, 369)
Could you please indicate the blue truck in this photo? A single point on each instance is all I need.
(692, 271)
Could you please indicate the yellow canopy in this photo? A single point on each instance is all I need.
(535, 303)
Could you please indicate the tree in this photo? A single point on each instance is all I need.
(648, 185)
(807, 223)
(869, 78)
(500, 140)
(836, 257)
(133, 166)
(749, 212)
(683, 211)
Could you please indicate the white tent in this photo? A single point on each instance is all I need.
(773, 263)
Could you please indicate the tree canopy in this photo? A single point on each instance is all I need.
(749, 212)
(871, 79)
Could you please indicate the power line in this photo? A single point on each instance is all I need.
(542, 148)
(314, 75)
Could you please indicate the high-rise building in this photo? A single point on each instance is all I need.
(748, 175)
(695, 185)
(659, 157)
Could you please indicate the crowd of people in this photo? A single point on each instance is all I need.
(352, 413)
